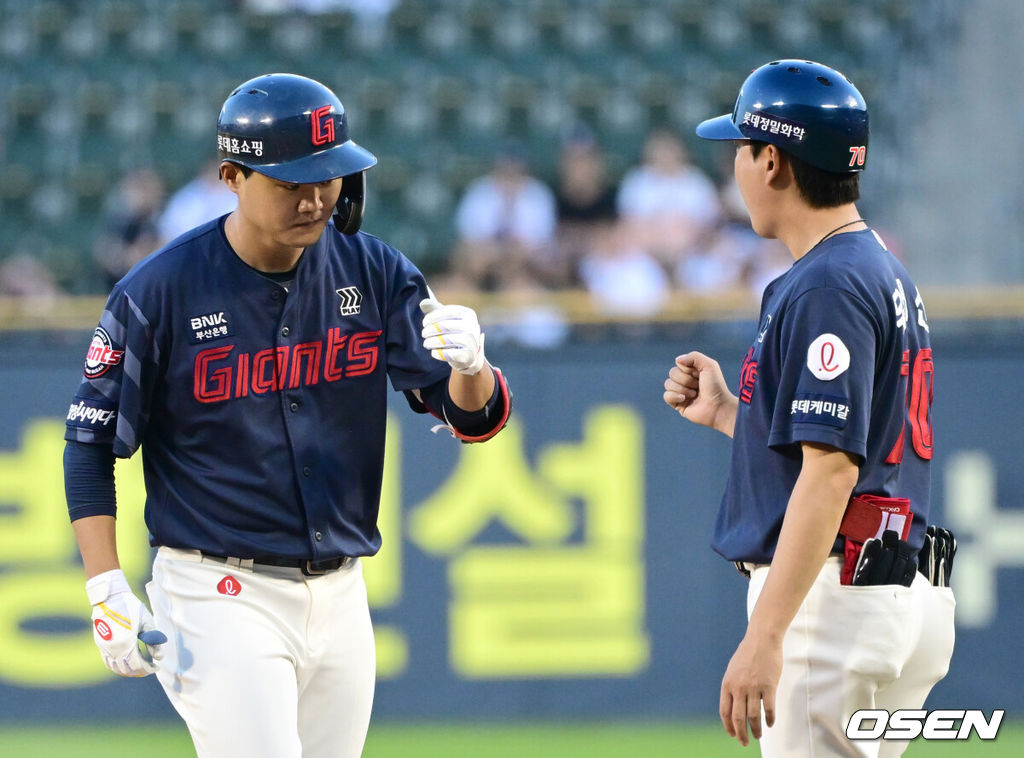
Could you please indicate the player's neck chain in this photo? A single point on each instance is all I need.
(841, 226)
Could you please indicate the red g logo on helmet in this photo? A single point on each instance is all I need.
(103, 629)
(323, 125)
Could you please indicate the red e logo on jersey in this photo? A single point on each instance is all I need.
(103, 629)
(323, 125)
(827, 357)
(229, 586)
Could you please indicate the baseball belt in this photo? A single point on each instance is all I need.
(876, 549)
(307, 567)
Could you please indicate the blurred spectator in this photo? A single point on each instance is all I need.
(585, 200)
(24, 277)
(621, 277)
(667, 202)
(377, 9)
(718, 260)
(129, 224)
(730, 255)
(506, 226)
(205, 197)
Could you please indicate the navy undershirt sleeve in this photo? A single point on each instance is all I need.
(89, 479)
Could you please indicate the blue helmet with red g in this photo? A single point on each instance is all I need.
(807, 109)
(295, 130)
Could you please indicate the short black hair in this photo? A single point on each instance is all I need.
(821, 189)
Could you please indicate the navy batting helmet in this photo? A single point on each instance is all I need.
(294, 130)
(809, 110)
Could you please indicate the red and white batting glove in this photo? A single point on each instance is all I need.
(452, 333)
(122, 626)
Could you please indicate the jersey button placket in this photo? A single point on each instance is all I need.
(285, 331)
(318, 536)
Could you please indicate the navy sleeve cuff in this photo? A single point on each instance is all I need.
(468, 426)
(89, 480)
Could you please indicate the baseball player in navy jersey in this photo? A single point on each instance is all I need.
(827, 502)
(249, 359)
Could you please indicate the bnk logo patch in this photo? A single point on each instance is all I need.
(101, 355)
(209, 326)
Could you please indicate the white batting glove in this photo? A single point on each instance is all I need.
(120, 621)
(452, 333)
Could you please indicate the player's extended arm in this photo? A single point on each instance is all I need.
(452, 333)
(475, 401)
(97, 544)
(809, 529)
(119, 619)
(696, 388)
(471, 393)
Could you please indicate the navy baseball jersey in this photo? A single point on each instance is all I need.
(260, 407)
(842, 357)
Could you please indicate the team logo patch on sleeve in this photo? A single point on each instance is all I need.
(101, 355)
(827, 357)
(820, 409)
(91, 413)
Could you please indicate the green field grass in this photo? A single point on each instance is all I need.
(461, 740)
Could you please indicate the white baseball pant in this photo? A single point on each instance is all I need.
(848, 648)
(265, 664)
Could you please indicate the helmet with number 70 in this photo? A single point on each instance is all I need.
(295, 130)
(809, 110)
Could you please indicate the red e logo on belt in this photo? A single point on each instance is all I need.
(323, 125)
(229, 586)
(103, 629)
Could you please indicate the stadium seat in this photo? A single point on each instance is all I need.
(296, 38)
(550, 113)
(118, 18)
(431, 89)
(220, 36)
(84, 38)
(514, 34)
(622, 112)
(653, 31)
(406, 21)
(17, 38)
(152, 38)
(582, 32)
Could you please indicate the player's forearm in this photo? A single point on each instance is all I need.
(809, 530)
(97, 543)
(725, 419)
(471, 393)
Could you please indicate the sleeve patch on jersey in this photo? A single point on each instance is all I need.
(820, 409)
(101, 355)
(827, 357)
(91, 413)
(209, 326)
